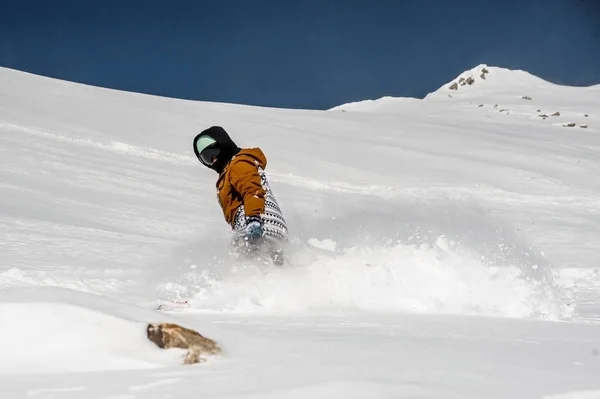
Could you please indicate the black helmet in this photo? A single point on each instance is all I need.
(214, 148)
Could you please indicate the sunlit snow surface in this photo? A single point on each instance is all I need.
(445, 247)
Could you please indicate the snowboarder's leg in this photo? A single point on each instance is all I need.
(265, 249)
(270, 246)
(277, 257)
(273, 247)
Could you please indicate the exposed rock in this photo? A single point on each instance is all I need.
(583, 125)
(586, 115)
(539, 110)
(463, 81)
(526, 98)
(495, 105)
(168, 335)
(543, 116)
(556, 114)
(480, 105)
(571, 124)
(504, 109)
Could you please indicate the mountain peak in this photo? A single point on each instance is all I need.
(475, 81)
(484, 76)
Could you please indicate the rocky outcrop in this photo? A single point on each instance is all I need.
(169, 335)
(467, 81)
(544, 116)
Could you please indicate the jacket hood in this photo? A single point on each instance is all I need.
(225, 143)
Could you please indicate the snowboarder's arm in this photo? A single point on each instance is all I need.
(246, 181)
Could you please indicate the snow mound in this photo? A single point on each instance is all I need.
(383, 103)
(45, 336)
(484, 77)
(395, 277)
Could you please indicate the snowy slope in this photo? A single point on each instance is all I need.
(444, 247)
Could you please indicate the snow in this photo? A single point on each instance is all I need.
(441, 247)
(395, 278)
(576, 395)
(84, 339)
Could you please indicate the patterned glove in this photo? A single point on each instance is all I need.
(254, 229)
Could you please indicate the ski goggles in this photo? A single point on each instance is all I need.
(207, 150)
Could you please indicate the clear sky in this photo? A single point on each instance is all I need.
(297, 54)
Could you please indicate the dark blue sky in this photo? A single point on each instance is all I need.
(297, 54)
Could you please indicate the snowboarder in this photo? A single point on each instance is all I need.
(244, 194)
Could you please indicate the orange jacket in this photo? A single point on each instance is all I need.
(240, 184)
